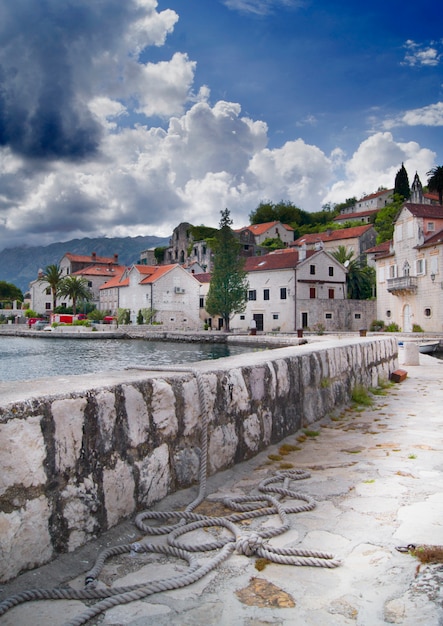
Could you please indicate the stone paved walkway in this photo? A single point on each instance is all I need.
(377, 477)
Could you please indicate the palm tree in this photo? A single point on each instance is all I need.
(360, 277)
(75, 288)
(435, 182)
(53, 278)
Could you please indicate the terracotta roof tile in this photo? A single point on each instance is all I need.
(425, 210)
(259, 229)
(333, 235)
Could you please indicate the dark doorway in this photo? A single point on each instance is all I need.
(304, 320)
(258, 318)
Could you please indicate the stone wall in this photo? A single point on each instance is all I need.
(78, 455)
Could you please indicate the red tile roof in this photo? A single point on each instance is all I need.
(381, 248)
(375, 195)
(203, 277)
(345, 216)
(333, 235)
(278, 260)
(433, 240)
(92, 259)
(425, 210)
(259, 229)
(101, 270)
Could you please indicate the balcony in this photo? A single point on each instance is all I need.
(402, 285)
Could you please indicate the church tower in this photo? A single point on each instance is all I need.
(416, 191)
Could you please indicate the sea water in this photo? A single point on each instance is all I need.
(23, 358)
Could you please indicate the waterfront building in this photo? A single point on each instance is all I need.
(409, 270)
(169, 291)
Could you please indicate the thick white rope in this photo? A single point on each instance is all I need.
(183, 522)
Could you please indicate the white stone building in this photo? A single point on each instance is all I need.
(409, 273)
(285, 288)
(169, 290)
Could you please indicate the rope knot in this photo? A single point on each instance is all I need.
(248, 544)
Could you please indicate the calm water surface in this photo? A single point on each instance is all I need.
(24, 358)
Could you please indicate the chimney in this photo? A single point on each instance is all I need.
(116, 259)
(93, 256)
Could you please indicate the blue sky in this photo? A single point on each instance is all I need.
(127, 118)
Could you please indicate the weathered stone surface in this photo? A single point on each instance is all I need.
(22, 452)
(137, 414)
(257, 379)
(106, 416)
(80, 503)
(186, 466)
(222, 446)
(252, 432)
(68, 419)
(163, 407)
(155, 476)
(238, 395)
(192, 410)
(24, 538)
(118, 487)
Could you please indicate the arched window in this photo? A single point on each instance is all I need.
(406, 268)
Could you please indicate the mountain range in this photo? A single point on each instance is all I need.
(20, 265)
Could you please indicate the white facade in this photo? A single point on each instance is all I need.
(170, 290)
(274, 293)
(410, 278)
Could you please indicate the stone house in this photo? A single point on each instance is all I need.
(291, 289)
(365, 209)
(252, 237)
(96, 270)
(72, 263)
(409, 271)
(356, 239)
(169, 290)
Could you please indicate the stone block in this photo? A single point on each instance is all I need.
(118, 488)
(106, 416)
(69, 421)
(163, 408)
(24, 538)
(139, 424)
(222, 447)
(22, 452)
(155, 476)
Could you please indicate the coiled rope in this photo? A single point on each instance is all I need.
(265, 503)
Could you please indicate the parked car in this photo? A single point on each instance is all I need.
(40, 325)
(33, 320)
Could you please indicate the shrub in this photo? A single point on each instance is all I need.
(377, 325)
(416, 328)
(319, 328)
(392, 328)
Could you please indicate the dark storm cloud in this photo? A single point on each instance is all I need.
(47, 54)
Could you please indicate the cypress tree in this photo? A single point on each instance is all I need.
(401, 186)
(228, 289)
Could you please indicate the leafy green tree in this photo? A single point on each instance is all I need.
(384, 220)
(435, 181)
(8, 291)
(52, 277)
(401, 186)
(284, 212)
(149, 315)
(273, 243)
(360, 279)
(228, 288)
(159, 254)
(76, 289)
